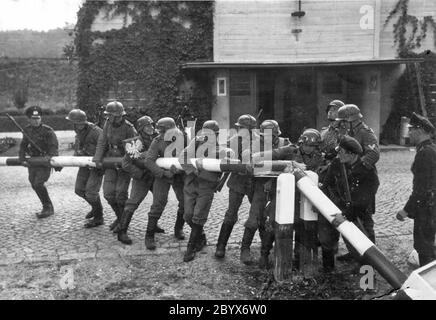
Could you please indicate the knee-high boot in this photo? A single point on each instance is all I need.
(223, 238)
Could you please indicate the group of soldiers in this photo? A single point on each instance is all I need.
(344, 155)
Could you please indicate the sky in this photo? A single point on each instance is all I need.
(40, 15)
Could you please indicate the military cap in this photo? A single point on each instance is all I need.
(351, 145)
(34, 112)
(419, 121)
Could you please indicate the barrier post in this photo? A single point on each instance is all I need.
(309, 233)
(284, 226)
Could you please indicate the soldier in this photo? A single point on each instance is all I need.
(329, 134)
(200, 185)
(307, 153)
(362, 185)
(142, 179)
(421, 205)
(88, 181)
(269, 131)
(110, 144)
(239, 187)
(349, 116)
(168, 133)
(42, 142)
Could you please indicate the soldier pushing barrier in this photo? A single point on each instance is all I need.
(39, 140)
(269, 130)
(164, 179)
(88, 180)
(421, 206)
(142, 179)
(110, 144)
(239, 185)
(200, 185)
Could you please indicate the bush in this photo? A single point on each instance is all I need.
(57, 122)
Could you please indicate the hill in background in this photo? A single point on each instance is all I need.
(33, 44)
(33, 61)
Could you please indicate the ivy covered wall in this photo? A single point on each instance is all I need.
(146, 54)
(409, 33)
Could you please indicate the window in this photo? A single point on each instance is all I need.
(221, 87)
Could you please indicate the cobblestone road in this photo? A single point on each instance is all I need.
(62, 236)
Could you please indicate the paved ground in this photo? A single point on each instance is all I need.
(62, 236)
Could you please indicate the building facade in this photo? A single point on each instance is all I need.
(291, 58)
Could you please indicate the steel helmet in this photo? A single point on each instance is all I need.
(77, 116)
(211, 125)
(115, 108)
(335, 104)
(143, 121)
(166, 124)
(349, 112)
(247, 121)
(270, 124)
(310, 137)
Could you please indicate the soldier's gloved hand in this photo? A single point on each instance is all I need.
(174, 169)
(168, 174)
(299, 165)
(401, 214)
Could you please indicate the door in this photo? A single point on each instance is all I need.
(242, 94)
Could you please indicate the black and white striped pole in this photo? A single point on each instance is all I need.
(365, 247)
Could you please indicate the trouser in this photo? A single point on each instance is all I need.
(257, 208)
(88, 184)
(161, 187)
(140, 189)
(37, 177)
(424, 230)
(115, 187)
(235, 201)
(327, 234)
(198, 197)
(266, 225)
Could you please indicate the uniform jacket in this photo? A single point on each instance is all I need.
(86, 140)
(423, 197)
(329, 141)
(191, 152)
(293, 152)
(44, 137)
(157, 150)
(363, 183)
(367, 139)
(238, 182)
(132, 165)
(110, 141)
